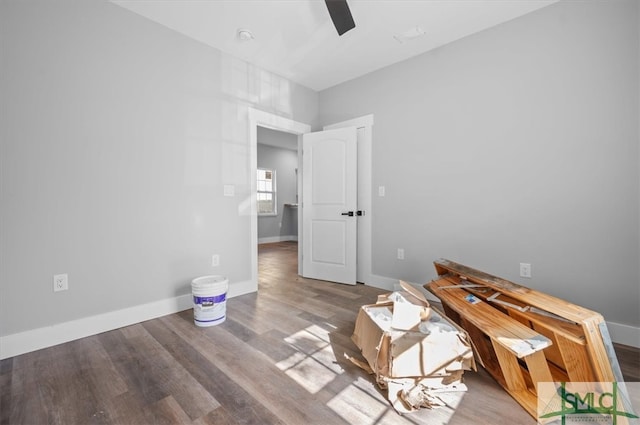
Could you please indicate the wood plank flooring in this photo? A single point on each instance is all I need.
(279, 358)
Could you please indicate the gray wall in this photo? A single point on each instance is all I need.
(517, 144)
(284, 161)
(118, 136)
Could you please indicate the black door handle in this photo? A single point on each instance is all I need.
(350, 213)
(359, 213)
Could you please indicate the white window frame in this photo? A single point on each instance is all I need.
(273, 192)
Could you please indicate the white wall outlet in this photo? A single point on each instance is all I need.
(525, 270)
(381, 190)
(400, 253)
(60, 282)
(229, 190)
(215, 260)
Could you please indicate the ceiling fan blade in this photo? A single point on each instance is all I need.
(340, 15)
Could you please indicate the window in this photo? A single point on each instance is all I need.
(266, 192)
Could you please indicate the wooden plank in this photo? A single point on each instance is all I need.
(603, 370)
(538, 368)
(551, 353)
(580, 348)
(529, 296)
(528, 400)
(484, 351)
(572, 331)
(513, 378)
(514, 336)
(558, 375)
(603, 362)
(575, 359)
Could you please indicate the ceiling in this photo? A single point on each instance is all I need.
(297, 40)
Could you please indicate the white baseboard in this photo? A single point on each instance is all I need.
(382, 282)
(620, 333)
(624, 334)
(274, 239)
(36, 339)
(390, 284)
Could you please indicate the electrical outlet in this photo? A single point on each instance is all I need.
(60, 282)
(525, 270)
(215, 260)
(400, 253)
(381, 191)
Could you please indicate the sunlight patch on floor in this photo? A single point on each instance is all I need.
(362, 391)
(314, 365)
(349, 404)
(310, 374)
(309, 339)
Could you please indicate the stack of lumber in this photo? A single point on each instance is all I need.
(522, 336)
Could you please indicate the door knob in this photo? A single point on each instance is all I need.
(349, 213)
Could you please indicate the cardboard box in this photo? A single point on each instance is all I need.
(414, 350)
(407, 395)
(410, 307)
(415, 353)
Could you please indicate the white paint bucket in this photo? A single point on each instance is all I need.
(209, 300)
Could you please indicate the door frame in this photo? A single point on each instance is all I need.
(257, 119)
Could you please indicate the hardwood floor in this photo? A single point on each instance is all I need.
(279, 358)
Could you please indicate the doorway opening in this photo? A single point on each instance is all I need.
(277, 186)
(273, 122)
(277, 197)
(364, 126)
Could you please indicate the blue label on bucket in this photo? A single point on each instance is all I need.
(217, 319)
(210, 300)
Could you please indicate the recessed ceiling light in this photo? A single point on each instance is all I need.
(410, 34)
(244, 35)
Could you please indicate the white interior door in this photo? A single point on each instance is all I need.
(364, 125)
(329, 204)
